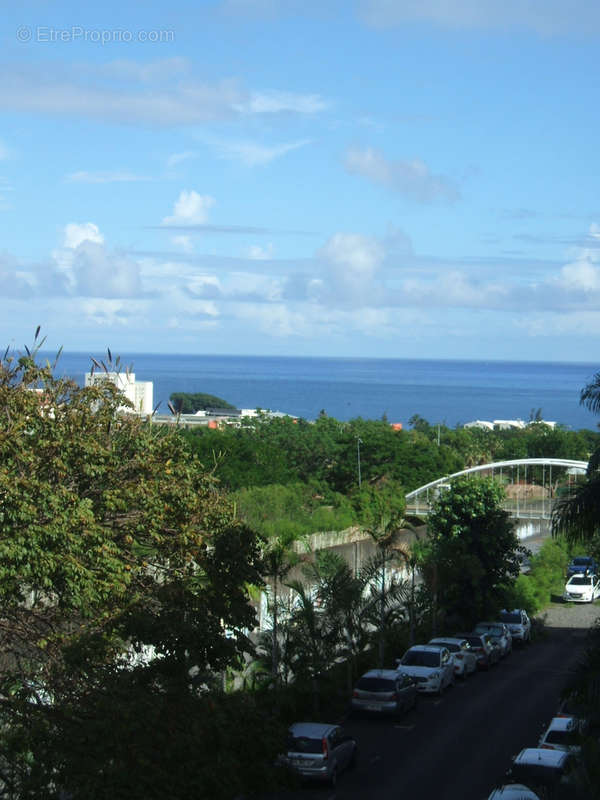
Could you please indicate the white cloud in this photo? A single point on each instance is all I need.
(258, 253)
(595, 230)
(352, 261)
(154, 95)
(76, 233)
(581, 274)
(184, 243)
(89, 269)
(116, 176)
(178, 158)
(411, 178)
(276, 102)
(253, 154)
(190, 208)
(547, 17)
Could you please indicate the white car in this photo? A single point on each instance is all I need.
(518, 624)
(513, 791)
(499, 634)
(465, 660)
(562, 734)
(431, 666)
(582, 588)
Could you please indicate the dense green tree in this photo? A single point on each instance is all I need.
(122, 564)
(185, 403)
(578, 516)
(473, 550)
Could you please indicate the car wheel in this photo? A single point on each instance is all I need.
(333, 778)
(354, 759)
(415, 701)
(441, 688)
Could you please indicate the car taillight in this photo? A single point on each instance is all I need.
(325, 748)
(547, 747)
(355, 693)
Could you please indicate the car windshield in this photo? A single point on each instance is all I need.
(375, 685)
(421, 658)
(580, 580)
(582, 561)
(511, 616)
(302, 744)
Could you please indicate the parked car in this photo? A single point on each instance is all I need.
(582, 589)
(547, 771)
(431, 666)
(465, 660)
(587, 718)
(320, 751)
(384, 691)
(513, 791)
(582, 564)
(562, 734)
(518, 624)
(499, 634)
(481, 644)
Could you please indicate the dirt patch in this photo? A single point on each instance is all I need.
(571, 615)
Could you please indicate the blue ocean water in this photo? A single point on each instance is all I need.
(448, 392)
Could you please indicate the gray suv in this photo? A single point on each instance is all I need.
(320, 751)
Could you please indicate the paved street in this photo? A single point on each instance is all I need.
(458, 746)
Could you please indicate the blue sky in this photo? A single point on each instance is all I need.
(367, 178)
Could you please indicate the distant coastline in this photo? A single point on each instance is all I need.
(441, 391)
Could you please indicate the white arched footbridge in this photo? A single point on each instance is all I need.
(532, 485)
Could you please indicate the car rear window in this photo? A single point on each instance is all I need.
(581, 562)
(510, 617)
(375, 685)
(302, 744)
(535, 775)
(560, 737)
(580, 580)
(452, 646)
(421, 658)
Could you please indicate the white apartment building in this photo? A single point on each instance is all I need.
(139, 393)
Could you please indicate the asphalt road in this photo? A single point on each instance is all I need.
(460, 745)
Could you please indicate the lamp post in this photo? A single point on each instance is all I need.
(358, 443)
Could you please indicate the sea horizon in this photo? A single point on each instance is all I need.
(443, 391)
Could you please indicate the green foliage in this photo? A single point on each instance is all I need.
(546, 576)
(128, 739)
(293, 511)
(473, 550)
(115, 543)
(185, 403)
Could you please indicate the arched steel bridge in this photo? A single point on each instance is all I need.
(532, 485)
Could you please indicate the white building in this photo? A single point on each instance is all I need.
(139, 393)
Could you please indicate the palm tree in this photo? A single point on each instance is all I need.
(389, 593)
(278, 558)
(578, 516)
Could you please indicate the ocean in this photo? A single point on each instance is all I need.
(441, 391)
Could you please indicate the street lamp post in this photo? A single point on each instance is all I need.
(358, 443)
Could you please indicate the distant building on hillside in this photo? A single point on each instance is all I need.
(139, 393)
(506, 424)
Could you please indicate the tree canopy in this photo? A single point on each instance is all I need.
(123, 572)
(186, 403)
(473, 550)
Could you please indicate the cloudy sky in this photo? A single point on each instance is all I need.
(358, 178)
